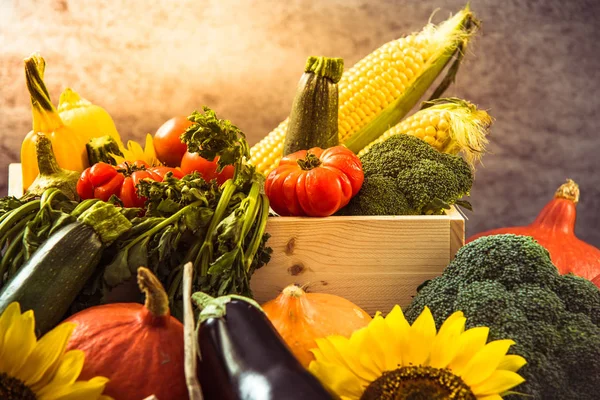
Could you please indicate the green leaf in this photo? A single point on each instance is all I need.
(118, 271)
(197, 218)
(464, 204)
(138, 255)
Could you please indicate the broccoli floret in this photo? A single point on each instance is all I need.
(378, 196)
(428, 179)
(508, 283)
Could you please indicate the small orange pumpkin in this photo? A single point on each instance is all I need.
(138, 347)
(302, 317)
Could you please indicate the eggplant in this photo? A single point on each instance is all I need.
(243, 357)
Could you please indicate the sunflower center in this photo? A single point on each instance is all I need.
(418, 383)
(13, 389)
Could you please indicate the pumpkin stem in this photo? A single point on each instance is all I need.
(293, 291)
(569, 191)
(45, 156)
(70, 99)
(157, 301)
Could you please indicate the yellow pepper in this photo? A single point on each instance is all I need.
(88, 120)
(69, 152)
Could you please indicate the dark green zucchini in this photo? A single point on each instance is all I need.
(314, 117)
(101, 149)
(53, 277)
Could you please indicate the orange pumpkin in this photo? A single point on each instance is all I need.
(302, 317)
(554, 228)
(138, 347)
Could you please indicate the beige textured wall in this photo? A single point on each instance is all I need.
(534, 67)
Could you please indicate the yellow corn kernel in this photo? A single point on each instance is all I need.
(449, 125)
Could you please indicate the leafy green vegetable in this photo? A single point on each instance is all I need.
(220, 229)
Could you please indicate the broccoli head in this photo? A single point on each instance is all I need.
(378, 196)
(508, 283)
(429, 180)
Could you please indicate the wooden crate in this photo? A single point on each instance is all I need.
(375, 262)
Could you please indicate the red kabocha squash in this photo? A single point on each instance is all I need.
(554, 229)
(138, 347)
(302, 317)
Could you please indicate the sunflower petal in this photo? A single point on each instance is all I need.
(337, 378)
(80, 390)
(422, 333)
(485, 362)
(512, 362)
(7, 318)
(498, 382)
(19, 341)
(67, 373)
(446, 344)
(399, 330)
(150, 151)
(44, 359)
(377, 336)
(470, 342)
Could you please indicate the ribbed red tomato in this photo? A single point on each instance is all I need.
(314, 182)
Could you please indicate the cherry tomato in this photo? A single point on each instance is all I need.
(167, 144)
(208, 169)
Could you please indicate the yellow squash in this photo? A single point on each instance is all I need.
(88, 120)
(69, 152)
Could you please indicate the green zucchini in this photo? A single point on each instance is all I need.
(314, 117)
(53, 277)
(102, 149)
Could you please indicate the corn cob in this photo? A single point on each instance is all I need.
(382, 88)
(450, 125)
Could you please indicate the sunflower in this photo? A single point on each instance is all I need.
(135, 152)
(390, 359)
(41, 370)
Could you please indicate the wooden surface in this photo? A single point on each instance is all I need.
(375, 262)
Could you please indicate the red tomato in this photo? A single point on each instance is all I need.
(208, 169)
(316, 183)
(167, 144)
(102, 180)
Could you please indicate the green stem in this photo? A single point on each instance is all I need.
(48, 196)
(206, 251)
(84, 205)
(46, 160)
(253, 208)
(166, 222)
(8, 256)
(309, 162)
(45, 117)
(18, 214)
(258, 233)
(330, 68)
